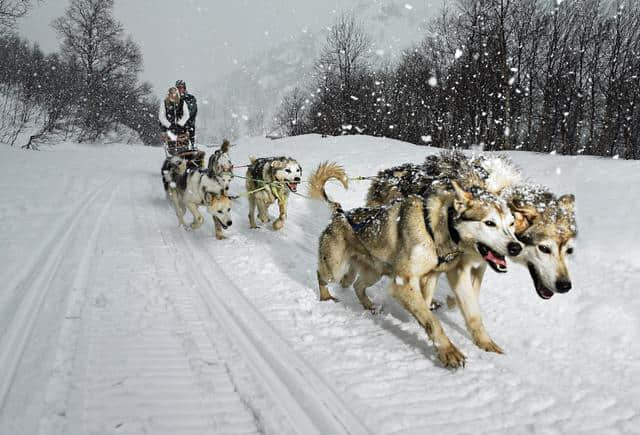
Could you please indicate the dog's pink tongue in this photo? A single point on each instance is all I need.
(492, 258)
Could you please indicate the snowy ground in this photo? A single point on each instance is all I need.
(114, 320)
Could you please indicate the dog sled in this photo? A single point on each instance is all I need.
(179, 145)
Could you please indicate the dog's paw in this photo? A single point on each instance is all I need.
(326, 296)
(435, 305)
(220, 236)
(329, 298)
(489, 346)
(278, 224)
(376, 310)
(451, 357)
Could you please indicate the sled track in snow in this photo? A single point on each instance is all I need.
(311, 404)
(34, 283)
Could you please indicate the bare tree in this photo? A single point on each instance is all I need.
(109, 62)
(11, 10)
(344, 58)
(291, 116)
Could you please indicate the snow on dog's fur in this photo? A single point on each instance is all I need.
(401, 240)
(270, 179)
(544, 224)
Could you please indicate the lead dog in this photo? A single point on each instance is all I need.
(544, 223)
(270, 179)
(200, 187)
(398, 240)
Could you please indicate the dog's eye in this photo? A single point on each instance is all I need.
(512, 223)
(544, 249)
(288, 171)
(228, 209)
(490, 223)
(220, 211)
(570, 251)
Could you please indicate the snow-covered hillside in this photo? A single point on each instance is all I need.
(115, 320)
(248, 96)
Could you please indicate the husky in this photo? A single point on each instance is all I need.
(270, 179)
(172, 168)
(397, 240)
(194, 188)
(544, 224)
(220, 164)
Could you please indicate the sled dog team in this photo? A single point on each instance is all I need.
(452, 214)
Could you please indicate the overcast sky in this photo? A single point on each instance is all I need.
(196, 40)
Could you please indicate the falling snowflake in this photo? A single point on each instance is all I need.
(426, 138)
(433, 82)
(347, 127)
(354, 98)
(408, 6)
(458, 54)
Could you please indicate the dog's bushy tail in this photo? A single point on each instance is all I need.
(225, 146)
(320, 176)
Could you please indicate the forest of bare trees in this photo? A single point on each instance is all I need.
(559, 76)
(87, 91)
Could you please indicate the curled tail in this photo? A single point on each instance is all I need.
(320, 176)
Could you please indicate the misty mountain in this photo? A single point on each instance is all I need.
(244, 101)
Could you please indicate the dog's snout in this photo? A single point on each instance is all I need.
(514, 248)
(296, 179)
(563, 285)
(229, 223)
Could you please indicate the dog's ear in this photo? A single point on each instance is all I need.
(525, 215)
(225, 146)
(461, 199)
(278, 164)
(567, 202)
(461, 194)
(521, 222)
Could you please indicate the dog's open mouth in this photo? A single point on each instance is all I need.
(221, 223)
(495, 260)
(292, 186)
(543, 292)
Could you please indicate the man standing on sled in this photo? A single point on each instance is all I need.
(193, 110)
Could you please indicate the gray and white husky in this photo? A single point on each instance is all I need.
(200, 187)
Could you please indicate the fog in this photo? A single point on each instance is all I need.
(200, 39)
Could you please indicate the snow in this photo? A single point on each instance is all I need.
(115, 320)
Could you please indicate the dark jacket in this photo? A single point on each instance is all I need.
(193, 109)
(173, 117)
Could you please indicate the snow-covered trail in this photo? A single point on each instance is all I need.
(115, 320)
